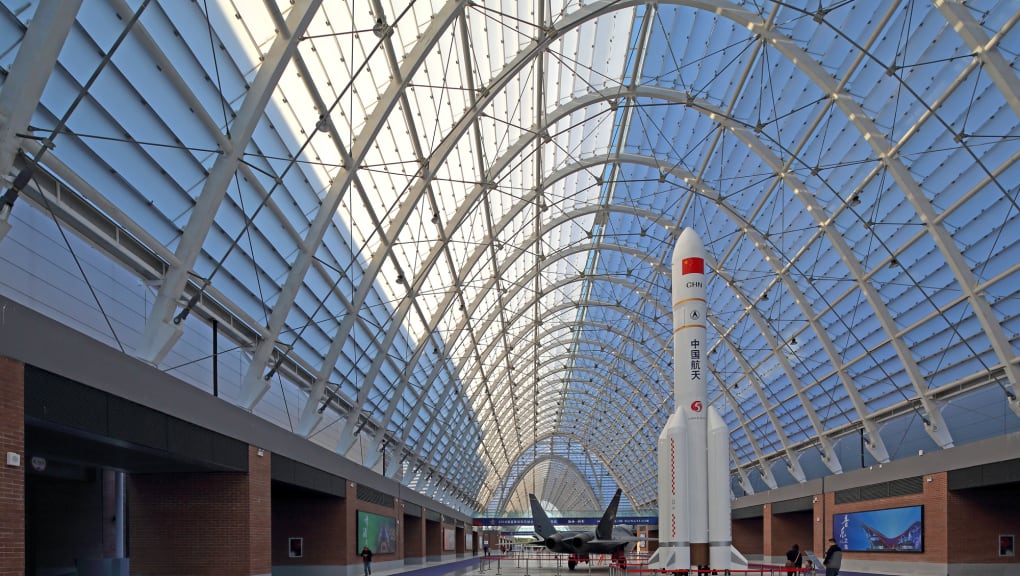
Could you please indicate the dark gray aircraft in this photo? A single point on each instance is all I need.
(606, 539)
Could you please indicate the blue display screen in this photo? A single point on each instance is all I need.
(887, 530)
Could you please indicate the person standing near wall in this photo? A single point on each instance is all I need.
(833, 558)
(793, 559)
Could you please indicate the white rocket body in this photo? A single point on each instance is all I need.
(694, 498)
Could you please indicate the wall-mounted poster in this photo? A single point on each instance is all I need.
(449, 539)
(295, 547)
(886, 530)
(377, 532)
(1007, 545)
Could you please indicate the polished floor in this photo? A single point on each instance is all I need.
(545, 564)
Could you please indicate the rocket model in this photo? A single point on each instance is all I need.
(694, 497)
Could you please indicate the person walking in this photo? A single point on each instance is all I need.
(833, 558)
(366, 558)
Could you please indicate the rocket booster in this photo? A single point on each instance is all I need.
(694, 505)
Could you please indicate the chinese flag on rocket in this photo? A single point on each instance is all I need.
(692, 266)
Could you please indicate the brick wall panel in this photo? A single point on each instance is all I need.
(976, 518)
(317, 518)
(210, 523)
(353, 505)
(936, 549)
(12, 478)
(260, 511)
(747, 535)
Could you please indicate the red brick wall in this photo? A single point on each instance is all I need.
(789, 529)
(260, 511)
(747, 535)
(936, 547)
(353, 505)
(433, 538)
(976, 518)
(821, 526)
(12, 479)
(414, 537)
(215, 523)
(315, 517)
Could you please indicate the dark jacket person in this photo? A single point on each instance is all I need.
(833, 558)
(794, 559)
(366, 557)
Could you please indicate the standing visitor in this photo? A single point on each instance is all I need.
(833, 558)
(794, 559)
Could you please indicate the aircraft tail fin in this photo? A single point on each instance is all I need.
(543, 526)
(604, 531)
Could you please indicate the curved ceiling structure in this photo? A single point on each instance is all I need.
(438, 235)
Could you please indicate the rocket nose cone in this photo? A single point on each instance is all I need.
(687, 245)
(715, 420)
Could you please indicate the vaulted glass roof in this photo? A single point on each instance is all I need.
(436, 237)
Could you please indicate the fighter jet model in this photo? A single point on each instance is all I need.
(606, 539)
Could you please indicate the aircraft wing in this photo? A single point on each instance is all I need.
(619, 541)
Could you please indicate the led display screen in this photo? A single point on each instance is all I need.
(887, 530)
(377, 532)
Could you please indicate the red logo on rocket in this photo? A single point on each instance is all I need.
(692, 266)
(696, 406)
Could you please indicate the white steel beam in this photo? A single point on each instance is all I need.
(19, 96)
(162, 327)
(889, 155)
(984, 48)
(255, 384)
(32, 68)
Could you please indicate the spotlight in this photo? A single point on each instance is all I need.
(20, 181)
(323, 125)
